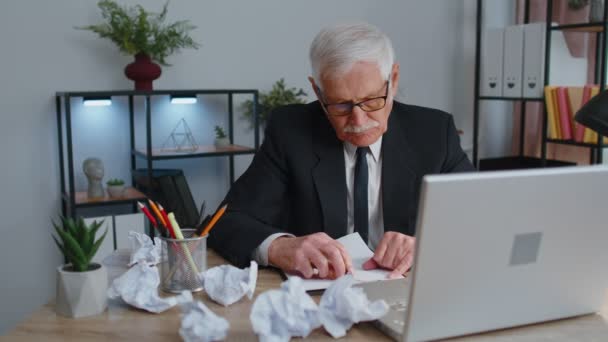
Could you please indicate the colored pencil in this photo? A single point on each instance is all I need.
(157, 212)
(214, 220)
(166, 219)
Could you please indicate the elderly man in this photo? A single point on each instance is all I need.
(352, 161)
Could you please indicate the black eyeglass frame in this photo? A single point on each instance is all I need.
(352, 104)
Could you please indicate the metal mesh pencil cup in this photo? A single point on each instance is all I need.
(182, 260)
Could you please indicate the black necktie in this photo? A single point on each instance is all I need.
(360, 193)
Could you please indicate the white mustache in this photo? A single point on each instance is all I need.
(359, 129)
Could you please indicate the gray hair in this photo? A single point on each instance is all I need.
(335, 49)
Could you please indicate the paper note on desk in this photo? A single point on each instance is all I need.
(360, 253)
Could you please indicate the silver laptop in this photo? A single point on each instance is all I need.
(502, 249)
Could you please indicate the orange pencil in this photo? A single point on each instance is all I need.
(157, 213)
(214, 220)
(169, 226)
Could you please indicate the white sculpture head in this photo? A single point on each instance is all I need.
(93, 169)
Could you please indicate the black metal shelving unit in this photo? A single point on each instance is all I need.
(71, 200)
(522, 161)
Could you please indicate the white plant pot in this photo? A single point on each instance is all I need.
(116, 190)
(222, 142)
(81, 294)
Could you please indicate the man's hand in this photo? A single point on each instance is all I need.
(303, 254)
(394, 252)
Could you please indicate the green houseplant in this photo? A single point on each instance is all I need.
(145, 35)
(81, 284)
(115, 181)
(221, 139)
(279, 95)
(116, 187)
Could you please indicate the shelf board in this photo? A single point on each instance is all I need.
(130, 195)
(574, 143)
(580, 27)
(201, 151)
(502, 98)
(106, 93)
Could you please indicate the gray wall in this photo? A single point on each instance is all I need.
(246, 44)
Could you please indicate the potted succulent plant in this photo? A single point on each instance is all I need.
(116, 187)
(81, 285)
(144, 35)
(221, 139)
(278, 96)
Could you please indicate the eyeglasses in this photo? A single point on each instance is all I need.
(346, 108)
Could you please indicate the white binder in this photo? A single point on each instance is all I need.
(107, 246)
(123, 224)
(513, 61)
(491, 62)
(534, 60)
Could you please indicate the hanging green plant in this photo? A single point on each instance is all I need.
(278, 96)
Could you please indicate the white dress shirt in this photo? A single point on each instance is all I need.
(374, 199)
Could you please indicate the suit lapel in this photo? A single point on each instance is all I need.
(329, 178)
(398, 177)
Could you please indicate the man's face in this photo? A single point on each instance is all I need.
(361, 83)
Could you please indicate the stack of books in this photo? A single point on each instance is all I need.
(562, 104)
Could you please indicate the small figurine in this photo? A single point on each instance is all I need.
(93, 169)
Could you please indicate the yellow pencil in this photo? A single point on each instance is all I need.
(214, 220)
(178, 235)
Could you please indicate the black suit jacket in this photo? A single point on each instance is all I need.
(296, 182)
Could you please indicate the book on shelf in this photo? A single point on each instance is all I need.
(551, 116)
(564, 113)
(170, 188)
(556, 118)
(562, 104)
(178, 199)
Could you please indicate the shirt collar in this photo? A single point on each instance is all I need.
(374, 148)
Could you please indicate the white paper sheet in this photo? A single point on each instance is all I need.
(143, 250)
(199, 323)
(360, 253)
(279, 315)
(226, 284)
(139, 287)
(343, 305)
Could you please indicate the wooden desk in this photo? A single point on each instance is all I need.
(121, 322)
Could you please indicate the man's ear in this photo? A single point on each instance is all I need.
(395, 79)
(315, 88)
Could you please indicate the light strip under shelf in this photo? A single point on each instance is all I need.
(188, 99)
(97, 102)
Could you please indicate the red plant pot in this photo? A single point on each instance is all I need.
(143, 71)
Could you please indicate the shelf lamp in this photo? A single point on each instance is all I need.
(97, 101)
(594, 114)
(183, 99)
